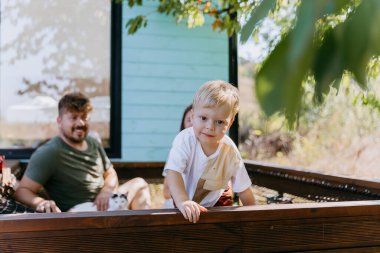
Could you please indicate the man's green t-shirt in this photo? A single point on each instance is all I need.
(69, 176)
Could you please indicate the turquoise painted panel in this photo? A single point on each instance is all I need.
(162, 66)
(172, 70)
(141, 112)
(158, 98)
(145, 154)
(175, 43)
(172, 30)
(150, 12)
(170, 56)
(146, 83)
(151, 126)
(149, 141)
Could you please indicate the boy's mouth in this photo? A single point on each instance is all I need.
(208, 135)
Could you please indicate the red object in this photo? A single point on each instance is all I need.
(2, 160)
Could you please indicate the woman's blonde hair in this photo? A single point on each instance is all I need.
(217, 93)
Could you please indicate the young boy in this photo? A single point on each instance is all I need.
(203, 159)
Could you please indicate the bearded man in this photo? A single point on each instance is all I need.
(73, 167)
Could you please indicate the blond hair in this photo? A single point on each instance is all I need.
(217, 93)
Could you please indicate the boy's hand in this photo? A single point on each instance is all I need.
(191, 210)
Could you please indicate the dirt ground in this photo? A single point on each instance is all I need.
(260, 193)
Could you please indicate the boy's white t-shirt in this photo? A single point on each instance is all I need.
(187, 157)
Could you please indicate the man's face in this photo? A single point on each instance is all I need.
(74, 126)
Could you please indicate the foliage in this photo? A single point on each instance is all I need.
(325, 40)
(340, 136)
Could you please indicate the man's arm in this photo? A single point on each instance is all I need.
(27, 193)
(247, 197)
(189, 209)
(110, 185)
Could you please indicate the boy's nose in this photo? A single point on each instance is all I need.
(211, 125)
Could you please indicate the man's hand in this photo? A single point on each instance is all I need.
(191, 210)
(102, 200)
(47, 206)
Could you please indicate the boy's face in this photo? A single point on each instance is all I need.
(74, 126)
(211, 124)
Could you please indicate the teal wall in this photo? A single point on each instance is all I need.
(162, 66)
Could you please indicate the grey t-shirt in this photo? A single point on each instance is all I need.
(70, 176)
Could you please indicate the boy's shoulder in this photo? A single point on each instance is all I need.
(228, 141)
(186, 134)
(229, 144)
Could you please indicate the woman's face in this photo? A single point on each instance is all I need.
(188, 119)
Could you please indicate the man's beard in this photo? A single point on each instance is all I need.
(73, 139)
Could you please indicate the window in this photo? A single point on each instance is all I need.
(50, 47)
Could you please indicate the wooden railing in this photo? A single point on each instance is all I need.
(314, 186)
(331, 227)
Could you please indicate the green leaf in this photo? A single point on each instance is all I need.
(136, 23)
(257, 14)
(278, 86)
(361, 39)
(328, 64)
(331, 7)
(303, 32)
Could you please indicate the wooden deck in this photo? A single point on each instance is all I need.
(314, 227)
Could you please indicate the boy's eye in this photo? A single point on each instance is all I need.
(203, 118)
(219, 122)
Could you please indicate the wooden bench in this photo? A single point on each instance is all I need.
(330, 227)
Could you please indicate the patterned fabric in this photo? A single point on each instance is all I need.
(8, 205)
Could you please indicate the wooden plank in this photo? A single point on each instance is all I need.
(134, 169)
(270, 228)
(171, 56)
(176, 43)
(163, 84)
(147, 154)
(314, 186)
(173, 71)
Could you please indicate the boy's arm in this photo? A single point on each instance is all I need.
(190, 209)
(247, 197)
